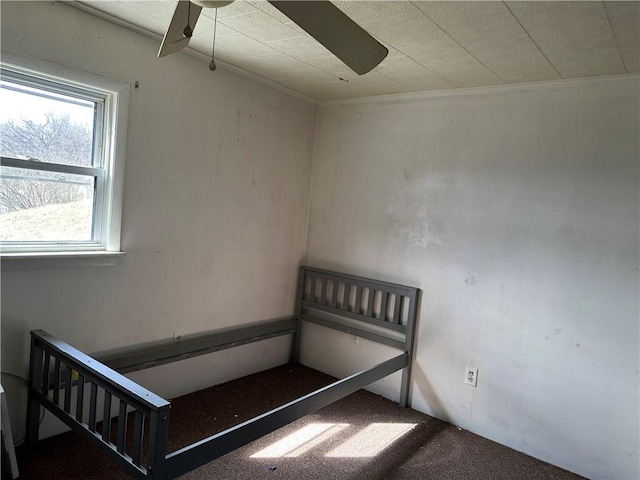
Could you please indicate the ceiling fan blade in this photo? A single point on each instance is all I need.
(186, 13)
(335, 31)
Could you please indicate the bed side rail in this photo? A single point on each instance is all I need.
(81, 392)
(387, 312)
(204, 451)
(140, 357)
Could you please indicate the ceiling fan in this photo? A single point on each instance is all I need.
(321, 19)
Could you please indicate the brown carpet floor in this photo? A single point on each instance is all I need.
(430, 450)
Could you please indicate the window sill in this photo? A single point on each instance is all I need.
(52, 260)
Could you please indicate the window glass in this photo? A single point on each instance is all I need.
(40, 206)
(46, 126)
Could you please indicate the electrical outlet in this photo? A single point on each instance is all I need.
(178, 335)
(355, 339)
(471, 376)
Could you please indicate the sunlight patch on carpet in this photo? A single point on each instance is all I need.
(371, 440)
(301, 441)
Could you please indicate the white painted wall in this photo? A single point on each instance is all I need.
(516, 212)
(215, 207)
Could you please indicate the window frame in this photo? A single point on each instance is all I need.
(109, 155)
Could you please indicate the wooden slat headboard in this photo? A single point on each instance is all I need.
(383, 312)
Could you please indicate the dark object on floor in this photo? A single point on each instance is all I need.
(428, 449)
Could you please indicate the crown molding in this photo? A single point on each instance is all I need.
(493, 89)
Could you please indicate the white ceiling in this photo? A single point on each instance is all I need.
(432, 45)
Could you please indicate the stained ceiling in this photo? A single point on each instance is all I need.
(432, 45)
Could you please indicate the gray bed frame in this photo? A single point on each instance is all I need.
(80, 390)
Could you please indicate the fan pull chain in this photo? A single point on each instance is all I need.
(188, 31)
(212, 64)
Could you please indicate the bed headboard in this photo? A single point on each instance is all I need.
(380, 311)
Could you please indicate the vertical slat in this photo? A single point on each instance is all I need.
(67, 389)
(46, 374)
(106, 418)
(397, 310)
(35, 383)
(345, 296)
(306, 283)
(93, 401)
(122, 427)
(334, 294)
(138, 438)
(80, 398)
(383, 305)
(313, 288)
(323, 290)
(358, 308)
(56, 381)
(372, 297)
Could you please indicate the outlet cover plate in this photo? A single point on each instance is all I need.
(471, 376)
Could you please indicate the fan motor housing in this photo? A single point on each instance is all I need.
(212, 3)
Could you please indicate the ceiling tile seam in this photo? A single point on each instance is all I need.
(292, 38)
(256, 39)
(532, 40)
(305, 61)
(266, 12)
(398, 48)
(382, 18)
(400, 82)
(273, 50)
(221, 21)
(413, 59)
(205, 9)
(308, 64)
(460, 45)
(615, 39)
(393, 80)
(295, 33)
(302, 61)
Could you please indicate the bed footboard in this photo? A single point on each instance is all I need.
(81, 392)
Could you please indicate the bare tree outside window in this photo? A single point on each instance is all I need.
(56, 140)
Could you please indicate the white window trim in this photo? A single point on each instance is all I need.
(116, 110)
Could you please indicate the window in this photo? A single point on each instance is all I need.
(62, 148)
